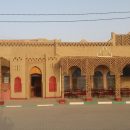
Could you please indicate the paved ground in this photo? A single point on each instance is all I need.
(34, 101)
(66, 117)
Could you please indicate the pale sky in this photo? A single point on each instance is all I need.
(91, 31)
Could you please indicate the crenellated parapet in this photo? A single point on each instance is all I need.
(81, 43)
(122, 39)
(116, 40)
(25, 43)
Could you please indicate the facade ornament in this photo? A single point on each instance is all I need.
(104, 52)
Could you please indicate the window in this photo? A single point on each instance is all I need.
(17, 84)
(52, 84)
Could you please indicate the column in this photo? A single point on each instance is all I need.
(0, 84)
(1, 98)
(71, 82)
(88, 88)
(104, 80)
(117, 90)
(62, 87)
(62, 100)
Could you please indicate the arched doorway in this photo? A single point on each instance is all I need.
(77, 82)
(75, 77)
(104, 82)
(101, 77)
(125, 78)
(98, 80)
(126, 71)
(36, 82)
(74, 83)
(5, 82)
(125, 81)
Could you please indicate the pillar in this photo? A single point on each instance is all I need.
(62, 100)
(71, 82)
(1, 98)
(117, 90)
(0, 84)
(88, 88)
(62, 87)
(105, 80)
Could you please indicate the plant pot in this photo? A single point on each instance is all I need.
(61, 101)
(1, 102)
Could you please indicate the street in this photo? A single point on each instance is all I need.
(66, 117)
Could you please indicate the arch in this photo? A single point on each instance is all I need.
(36, 82)
(17, 85)
(97, 65)
(125, 78)
(98, 80)
(126, 70)
(100, 77)
(75, 73)
(52, 84)
(74, 83)
(72, 68)
(35, 70)
(77, 81)
(101, 66)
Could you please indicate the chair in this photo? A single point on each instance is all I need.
(101, 93)
(68, 93)
(125, 92)
(94, 92)
(110, 92)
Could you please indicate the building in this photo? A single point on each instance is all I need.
(49, 69)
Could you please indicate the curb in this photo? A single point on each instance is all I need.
(70, 103)
(45, 105)
(99, 103)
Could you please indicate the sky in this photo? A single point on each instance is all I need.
(90, 31)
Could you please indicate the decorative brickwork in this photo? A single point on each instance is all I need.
(89, 64)
(122, 40)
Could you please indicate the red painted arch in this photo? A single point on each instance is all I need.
(52, 84)
(17, 85)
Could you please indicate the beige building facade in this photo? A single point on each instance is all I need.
(49, 69)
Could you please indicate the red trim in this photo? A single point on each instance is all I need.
(118, 99)
(89, 99)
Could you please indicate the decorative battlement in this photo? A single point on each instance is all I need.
(116, 40)
(85, 44)
(122, 39)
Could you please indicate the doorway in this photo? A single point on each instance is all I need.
(36, 82)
